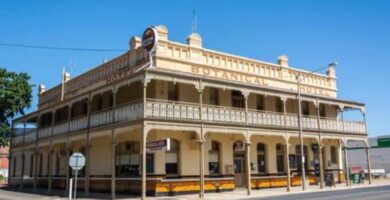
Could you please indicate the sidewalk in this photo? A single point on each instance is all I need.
(241, 193)
(14, 194)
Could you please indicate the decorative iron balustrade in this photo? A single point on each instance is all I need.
(181, 111)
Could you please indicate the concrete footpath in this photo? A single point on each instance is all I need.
(15, 194)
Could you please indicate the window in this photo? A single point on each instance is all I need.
(127, 159)
(14, 166)
(214, 158)
(278, 105)
(280, 158)
(322, 110)
(99, 103)
(171, 159)
(150, 163)
(333, 155)
(31, 165)
(40, 164)
(58, 164)
(214, 97)
(305, 108)
(237, 99)
(299, 157)
(261, 158)
(259, 102)
(173, 92)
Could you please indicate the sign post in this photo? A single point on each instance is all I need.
(76, 162)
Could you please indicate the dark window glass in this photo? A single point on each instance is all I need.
(299, 157)
(150, 163)
(322, 110)
(173, 92)
(260, 102)
(214, 96)
(280, 158)
(171, 159)
(333, 154)
(127, 159)
(31, 165)
(261, 158)
(214, 158)
(305, 108)
(237, 99)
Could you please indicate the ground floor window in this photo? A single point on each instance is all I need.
(299, 157)
(171, 159)
(280, 158)
(261, 158)
(127, 159)
(214, 158)
(31, 164)
(150, 163)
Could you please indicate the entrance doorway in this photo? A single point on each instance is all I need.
(239, 170)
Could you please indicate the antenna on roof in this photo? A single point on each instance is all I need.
(71, 64)
(194, 22)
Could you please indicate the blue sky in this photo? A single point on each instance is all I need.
(312, 34)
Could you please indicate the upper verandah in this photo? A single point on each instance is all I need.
(194, 59)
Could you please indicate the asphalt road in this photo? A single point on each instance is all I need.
(371, 193)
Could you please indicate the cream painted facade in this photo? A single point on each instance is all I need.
(203, 100)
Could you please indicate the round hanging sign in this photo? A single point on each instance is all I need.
(149, 39)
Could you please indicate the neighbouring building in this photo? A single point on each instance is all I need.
(4, 153)
(231, 122)
(379, 156)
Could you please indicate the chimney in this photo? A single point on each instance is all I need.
(135, 42)
(194, 40)
(41, 89)
(66, 77)
(331, 71)
(283, 61)
(162, 32)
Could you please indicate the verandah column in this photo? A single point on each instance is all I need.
(368, 164)
(113, 170)
(286, 157)
(345, 149)
(87, 148)
(320, 146)
(23, 156)
(201, 143)
(144, 138)
(248, 157)
(286, 145)
(367, 149)
(67, 148)
(35, 182)
(113, 146)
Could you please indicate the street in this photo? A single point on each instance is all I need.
(365, 193)
(370, 193)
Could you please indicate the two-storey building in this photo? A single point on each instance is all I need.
(231, 122)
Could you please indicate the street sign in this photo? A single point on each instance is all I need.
(149, 39)
(77, 161)
(158, 145)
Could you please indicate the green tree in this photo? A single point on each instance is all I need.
(15, 96)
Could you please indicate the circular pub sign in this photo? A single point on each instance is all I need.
(149, 39)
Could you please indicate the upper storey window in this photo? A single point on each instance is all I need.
(173, 92)
(213, 96)
(260, 102)
(322, 110)
(238, 100)
(305, 108)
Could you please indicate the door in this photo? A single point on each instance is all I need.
(239, 171)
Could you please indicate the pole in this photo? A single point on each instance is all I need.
(201, 144)
(70, 186)
(300, 132)
(75, 178)
(320, 153)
